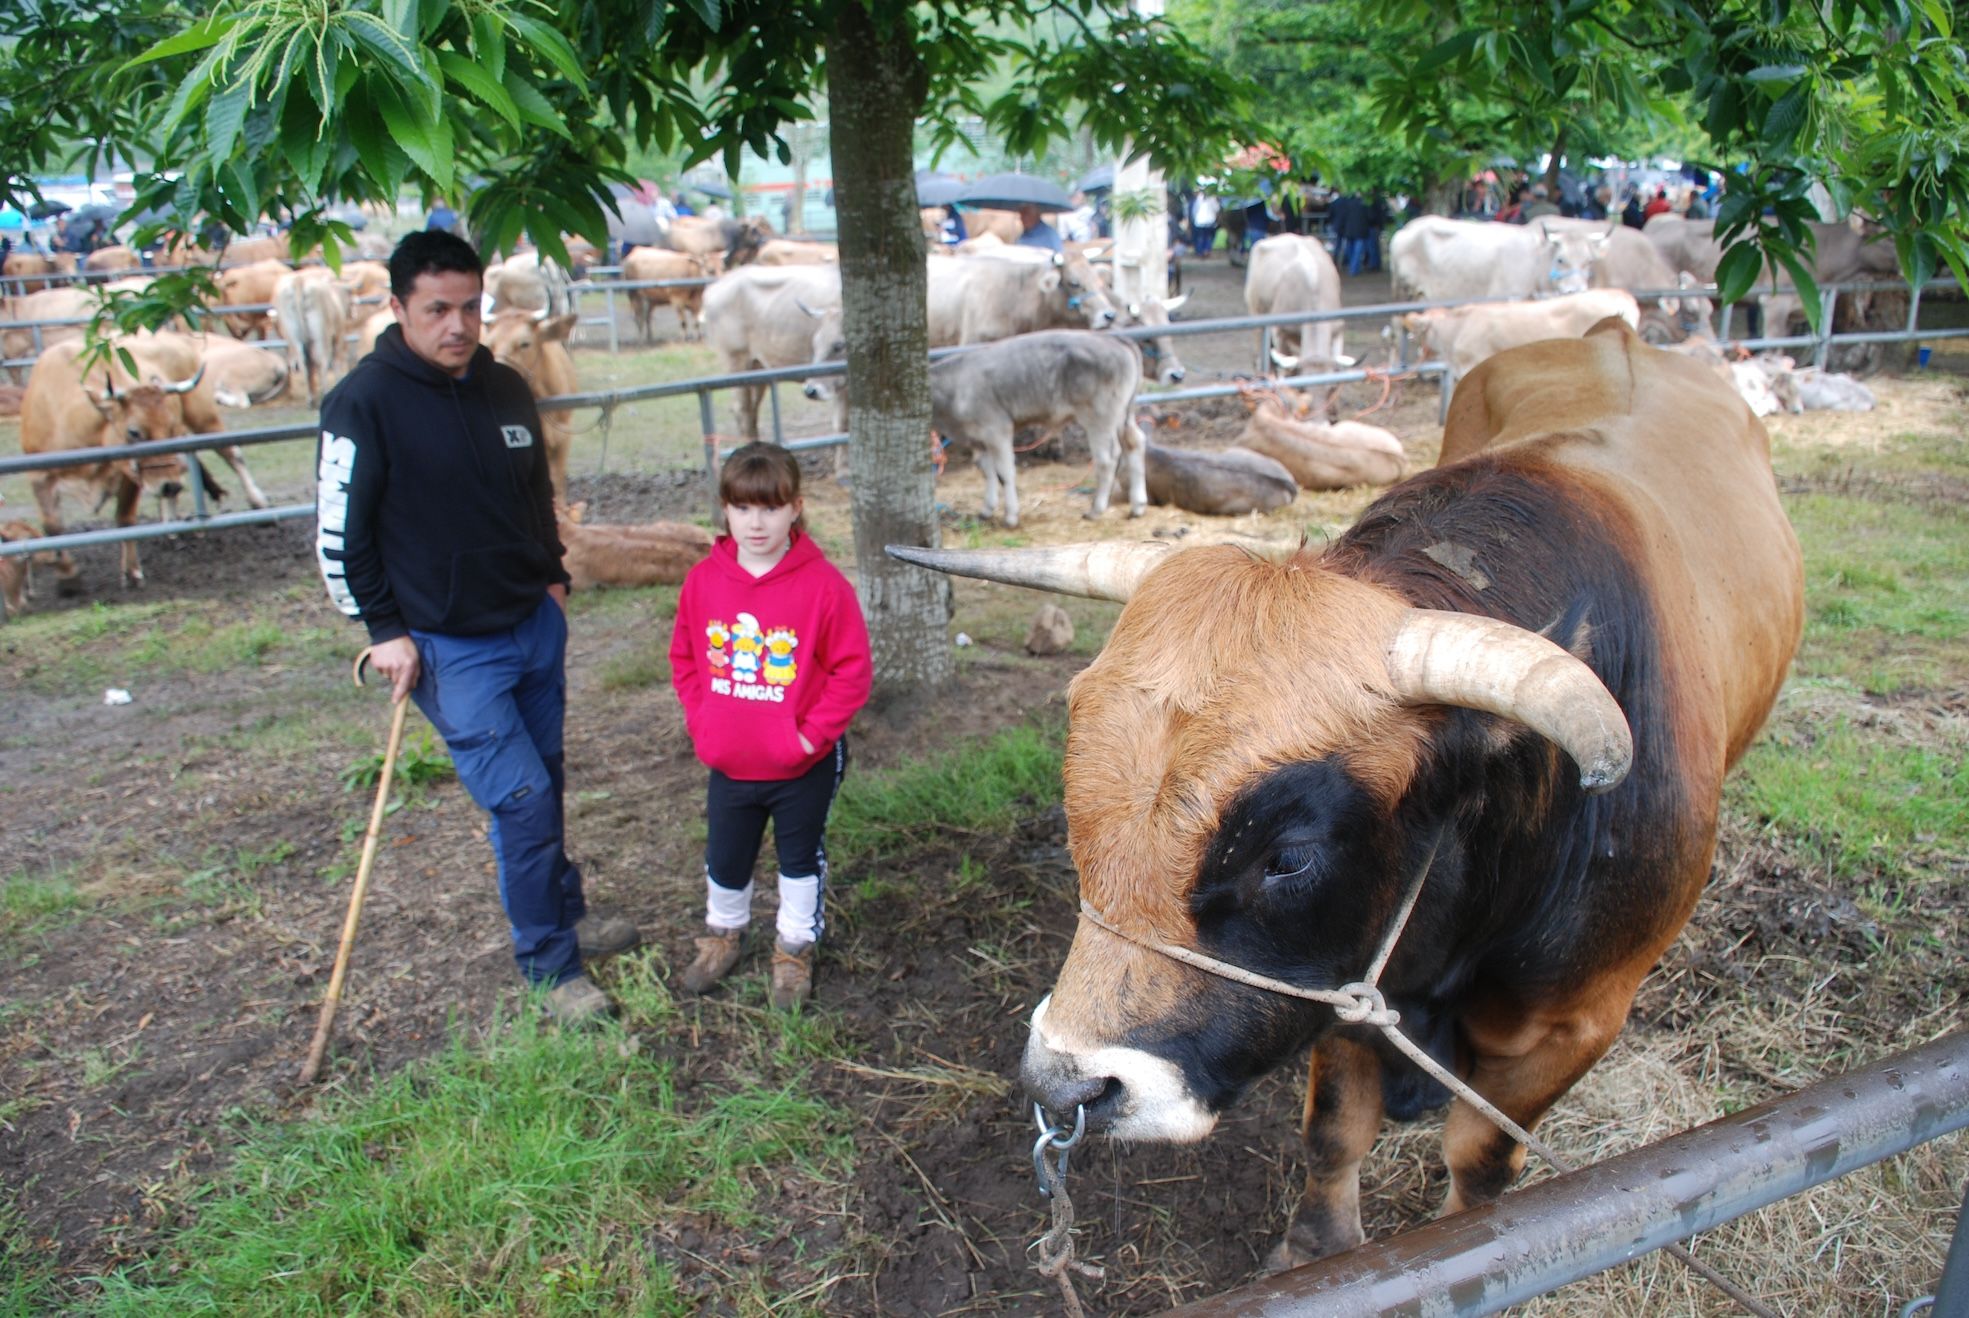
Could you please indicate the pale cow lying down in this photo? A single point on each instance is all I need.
(1049, 378)
(1466, 336)
(1223, 483)
(639, 554)
(1772, 382)
(1320, 455)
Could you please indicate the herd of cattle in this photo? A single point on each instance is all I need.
(1035, 318)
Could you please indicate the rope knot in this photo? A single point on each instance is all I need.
(1366, 1006)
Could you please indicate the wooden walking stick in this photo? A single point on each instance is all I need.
(319, 1048)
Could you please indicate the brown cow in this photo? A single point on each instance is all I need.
(314, 319)
(1269, 756)
(48, 304)
(17, 570)
(645, 263)
(372, 330)
(250, 285)
(35, 271)
(795, 251)
(242, 375)
(537, 349)
(109, 260)
(366, 279)
(635, 554)
(251, 251)
(65, 410)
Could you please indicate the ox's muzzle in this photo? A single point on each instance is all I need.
(1128, 1092)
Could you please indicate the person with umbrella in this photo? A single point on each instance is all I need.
(1038, 233)
(1031, 197)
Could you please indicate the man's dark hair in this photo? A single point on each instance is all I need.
(427, 252)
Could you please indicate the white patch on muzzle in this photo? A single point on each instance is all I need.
(1156, 1103)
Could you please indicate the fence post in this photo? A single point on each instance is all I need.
(614, 341)
(779, 432)
(710, 451)
(1821, 353)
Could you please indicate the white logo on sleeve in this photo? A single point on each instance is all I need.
(517, 436)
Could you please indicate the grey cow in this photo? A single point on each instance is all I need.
(1045, 379)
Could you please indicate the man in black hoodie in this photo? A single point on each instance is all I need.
(436, 529)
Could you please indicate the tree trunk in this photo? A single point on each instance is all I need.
(1558, 158)
(875, 89)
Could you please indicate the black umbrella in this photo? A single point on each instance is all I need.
(47, 208)
(940, 190)
(1012, 191)
(1098, 179)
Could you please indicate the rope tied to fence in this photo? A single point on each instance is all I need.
(1362, 1003)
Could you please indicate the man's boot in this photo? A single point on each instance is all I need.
(605, 935)
(717, 953)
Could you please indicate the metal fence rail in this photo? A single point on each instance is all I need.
(1541, 1237)
(703, 387)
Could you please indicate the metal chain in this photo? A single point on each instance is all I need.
(1055, 1249)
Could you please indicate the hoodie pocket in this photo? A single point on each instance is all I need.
(493, 587)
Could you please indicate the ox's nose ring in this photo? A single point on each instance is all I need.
(1054, 1139)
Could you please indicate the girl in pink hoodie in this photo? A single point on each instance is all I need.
(770, 660)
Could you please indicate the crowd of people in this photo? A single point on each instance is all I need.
(1352, 223)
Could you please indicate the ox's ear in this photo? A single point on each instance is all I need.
(557, 329)
(1049, 280)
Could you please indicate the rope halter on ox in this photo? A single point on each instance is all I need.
(1358, 1003)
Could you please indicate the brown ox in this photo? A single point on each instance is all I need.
(38, 270)
(649, 263)
(366, 279)
(251, 285)
(48, 304)
(109, 260)
(1268, 754)
(314, 318)
(64, 410)
(627, 553)
(537, 349)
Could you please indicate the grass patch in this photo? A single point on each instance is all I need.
(636, 669)
(31, 904)
(979, 787)
(516, 1177)
(1861, 803)
(421, 761)
(27, 1286)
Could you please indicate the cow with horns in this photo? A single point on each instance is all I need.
(1269, 758)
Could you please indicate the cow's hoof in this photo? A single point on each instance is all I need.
(1302, 1245)
(1137, 510)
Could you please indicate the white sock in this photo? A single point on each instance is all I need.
(799, 910)
(727, 908)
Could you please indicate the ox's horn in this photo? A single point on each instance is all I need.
(186, 386)
(1175, 303)
(1445, 658)
(1283, 362)
(1105, 570)
(809, 310)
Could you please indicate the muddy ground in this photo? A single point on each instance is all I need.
(134, 1041)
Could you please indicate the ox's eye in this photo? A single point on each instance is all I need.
(1291, 865)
